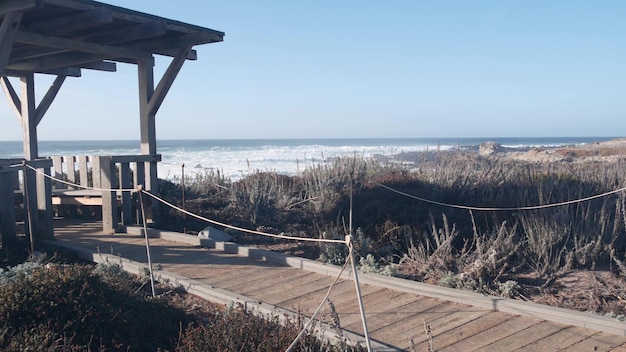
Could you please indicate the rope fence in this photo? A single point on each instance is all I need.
(534, 207)
(347, 241)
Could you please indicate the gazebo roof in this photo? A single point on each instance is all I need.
(61, 37)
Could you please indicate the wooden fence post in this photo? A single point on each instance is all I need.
(8, 230)
(104, 167)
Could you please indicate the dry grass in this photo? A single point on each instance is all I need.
(481, 250)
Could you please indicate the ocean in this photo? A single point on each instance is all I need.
(238, 157)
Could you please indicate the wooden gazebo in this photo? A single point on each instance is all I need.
(61, 38)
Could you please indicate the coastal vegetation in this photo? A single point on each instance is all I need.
(453, 218)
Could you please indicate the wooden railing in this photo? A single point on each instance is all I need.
(24, 188)
(100, 174)
(103, 176)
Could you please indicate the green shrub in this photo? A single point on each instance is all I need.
(71, 305)
(239, 329)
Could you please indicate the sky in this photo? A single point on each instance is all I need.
(367, 69)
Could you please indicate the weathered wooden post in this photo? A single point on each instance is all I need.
(44, 200)
(105, 169)
(8, 179)
(126, 183)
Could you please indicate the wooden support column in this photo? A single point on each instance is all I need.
(126, 183)
(39, 198)
(44, 205)
(104, 167)
(148, 132)
(27, 117)
(8, 230)
(138, 179)
(150, 100)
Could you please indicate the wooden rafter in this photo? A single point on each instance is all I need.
(17, 103)
(12, 97)
(166, 81)
(9, 6)
(8, 30)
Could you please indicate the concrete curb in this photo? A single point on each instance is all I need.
(586, 320)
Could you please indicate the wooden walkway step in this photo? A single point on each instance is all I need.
(397, 310)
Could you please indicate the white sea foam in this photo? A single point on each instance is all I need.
(238, 162)
(237, 158)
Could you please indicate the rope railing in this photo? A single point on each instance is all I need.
(346, 241)
(75, 185)
(199, 217)
(534, 207)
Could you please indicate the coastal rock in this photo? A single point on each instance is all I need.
(211, 232)
(488, 148)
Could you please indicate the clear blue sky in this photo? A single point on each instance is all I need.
(333, 69)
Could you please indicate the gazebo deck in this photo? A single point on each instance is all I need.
(394, 316)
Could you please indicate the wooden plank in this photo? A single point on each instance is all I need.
(57, 164)
(561, 340)
(307, 298)
(376, 301)
(487, 336)
(303, 278)
(290, 298)
(109, 198)
(378, 314)
(519, 341)
(465, 331)
(410, 323)
(621, 348)
(83, 171)
(135, 158)
(243, 274)
(125, 183)
(96, 178)
(44, 204)
(262, 279)
(85, 201)
(138, 179)
(599, 342)
(71, 170)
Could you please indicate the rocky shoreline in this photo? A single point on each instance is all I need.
(612, 151)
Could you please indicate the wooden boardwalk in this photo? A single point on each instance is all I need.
(394, 314)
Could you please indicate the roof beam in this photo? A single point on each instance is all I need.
(7, 6)
(106, 66)
(134, 16)
(67, 71)
(176, 42)
(86, 47)
(117, 36)
(64, 61)
(8, 30)
(69, 23)
(128, 34)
